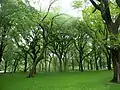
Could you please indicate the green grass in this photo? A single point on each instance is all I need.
(95, 80)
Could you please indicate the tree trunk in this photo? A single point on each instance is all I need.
(84, 66)
(45, 61)
(116, 65)
(109, 61)
(1, 52)
(96, 63)
(49, 66)
(73, 67)
(33, 69)
(34, 61)
(100, 62)
(0, 57)
(81, 66)
(5, 66)
(65, 63)
(15, 66)
(80, 63)
(88, 65)
(45, 65)
(39, 67)
(25, 63)
(60, 67)
(55, 64)
(109, 64)
(2, 46)
(91, 65)
(42, 66)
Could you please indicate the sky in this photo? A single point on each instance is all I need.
(65, 5)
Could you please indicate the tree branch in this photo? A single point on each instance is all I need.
(48, 10)
(117, 22)
(95, 5)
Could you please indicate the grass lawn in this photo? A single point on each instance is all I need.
(93, 80)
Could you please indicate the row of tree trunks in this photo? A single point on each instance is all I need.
(42, 67)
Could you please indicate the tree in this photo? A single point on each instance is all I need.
(81, 42)
(99, 32)
(5, 24)
(113, 27)
(44, 27)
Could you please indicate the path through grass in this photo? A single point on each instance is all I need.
(95, 80)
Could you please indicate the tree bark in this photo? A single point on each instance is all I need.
(25, 63)
(73, 67)
(55, 64)
(109, 62)
(60, 63)
(96, 65)
(88, 65)
(91, 65)
(0, 56)
(65, 63)
(1, 51)
(116, 65)
(96, 59)
(81, 66)
(2, 46)
(109, 58)
(42, 66)
(49, 66)
(45, 61)
(33, 69)
(15, 65)
(80, 63)
(6, 62)
(100, 62)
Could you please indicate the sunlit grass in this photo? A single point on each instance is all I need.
(94, 80)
